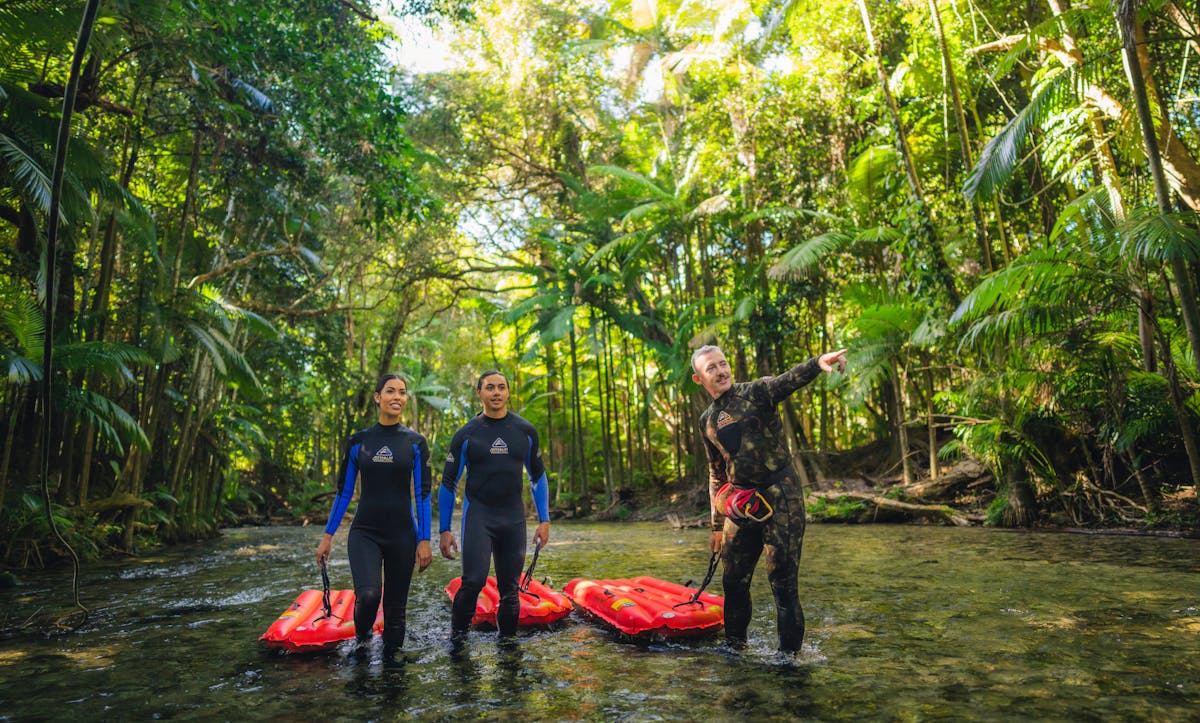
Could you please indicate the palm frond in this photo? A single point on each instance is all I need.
(642, 210)
(110, 420)
(1091, 211)
(1000, 156)
(930, 331)
(809, 254)
(209, 341)
(25, 321)
(557, 324)
(873, 166)
(25, 172)
(1042, 271)
(879, 235)
(780, 214)
(109, 358)
(442, 404)
(1149, 235)
(633, 178)
(258, 100)
(256, 323)
(19, 370)
(233, 363)
(622, 247)
(744, 307)
(711, 206)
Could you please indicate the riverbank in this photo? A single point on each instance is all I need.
(962, 494)
(904, 621)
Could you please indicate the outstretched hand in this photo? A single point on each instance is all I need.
(832, 360)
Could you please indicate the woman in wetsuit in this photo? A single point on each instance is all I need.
(391, 528)
(492, 448)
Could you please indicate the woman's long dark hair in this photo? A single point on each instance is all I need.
(383, 380)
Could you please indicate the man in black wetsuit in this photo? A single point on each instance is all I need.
(390, 531)
(492, 448)
(757, 503)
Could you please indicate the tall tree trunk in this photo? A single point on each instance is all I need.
(1137, 67)
(931, 423)
(937, 254)
(1022, 502)
(578, 453)
(610, 486)
(10, 435)
(960, 119)
(613, 407)
(185, 215)
(82, 40)
(554, 442)
(1107, 167)
(900, 423)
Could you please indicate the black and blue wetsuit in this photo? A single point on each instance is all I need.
(493, 453)
(387, 524)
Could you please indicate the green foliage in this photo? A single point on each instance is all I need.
(841, 509)
(261, 214)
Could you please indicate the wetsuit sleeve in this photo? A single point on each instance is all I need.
(539, 487)
(456, 460)
(798, 376)
(718, 475)
(421, 487)
(348, 472)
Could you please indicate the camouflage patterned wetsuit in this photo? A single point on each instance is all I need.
(743, 436)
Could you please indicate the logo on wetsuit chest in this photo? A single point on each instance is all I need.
(724, 420)
(499, 446)
(384, 455)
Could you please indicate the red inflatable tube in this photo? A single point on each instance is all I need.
(647, 606)
(303, 627)
(540, 605)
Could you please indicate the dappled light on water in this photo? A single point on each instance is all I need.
(903, 622)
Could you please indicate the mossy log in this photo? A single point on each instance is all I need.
(120, 501)
(940, 513)
(949, 484)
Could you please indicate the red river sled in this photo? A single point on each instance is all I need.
(303, 629)
(540, 605)
(647, 606)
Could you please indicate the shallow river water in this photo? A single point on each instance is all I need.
(904, 623)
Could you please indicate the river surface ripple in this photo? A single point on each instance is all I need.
(904, 623)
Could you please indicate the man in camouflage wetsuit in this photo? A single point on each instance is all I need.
(756, 498)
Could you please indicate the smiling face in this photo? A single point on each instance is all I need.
(391, 398)
(493, 392)
(712, 372)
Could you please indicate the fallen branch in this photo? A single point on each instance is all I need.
(677, 523)
(936, 512)
(119, 501)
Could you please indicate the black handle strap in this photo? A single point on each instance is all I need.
(325, 593)
(528, 576)
(712, 569)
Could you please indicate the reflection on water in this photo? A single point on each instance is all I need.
(904, 623)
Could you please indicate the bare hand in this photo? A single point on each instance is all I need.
(714, 544)
(424, 555)
(833, 360)
(541, 535)
(448, 545)
(323, 549)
